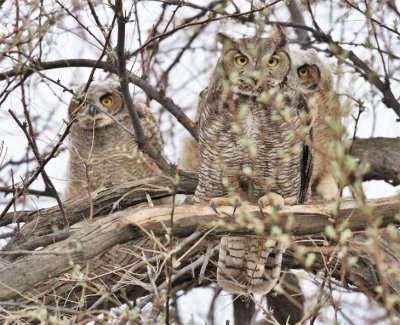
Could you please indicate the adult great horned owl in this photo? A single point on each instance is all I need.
(102, 145)
(314, 79)
(248, 145)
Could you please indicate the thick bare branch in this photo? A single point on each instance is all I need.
(297, 17)
(135, 223)
(105, 200)
(383, 155)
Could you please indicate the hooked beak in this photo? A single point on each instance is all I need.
(91, 109)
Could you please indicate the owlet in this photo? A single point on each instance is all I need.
(103, 148)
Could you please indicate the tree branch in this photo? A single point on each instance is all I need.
(138, 223)
(159, 96)
(41, 166)
(383, 155)
(143, 143)
(370, 75)
(36, 153)
(105, 200)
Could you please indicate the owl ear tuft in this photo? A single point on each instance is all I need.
(313, 52)
(226, 40)
(111, 81)
(278, 35)
(112, 77)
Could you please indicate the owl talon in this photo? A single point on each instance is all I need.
(290, 200)
(237, 204)
(214, 207)
(327, 188)
(224, 200)
(272, 199)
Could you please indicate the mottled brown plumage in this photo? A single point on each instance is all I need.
(248, 146)
(314, 79)
(324, 114)
(102, 145)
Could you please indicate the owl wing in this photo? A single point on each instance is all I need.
(200, 104)
(150, 126)
(306, 163)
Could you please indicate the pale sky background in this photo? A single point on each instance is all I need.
(188, 78)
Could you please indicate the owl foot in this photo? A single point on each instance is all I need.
(272, 199)
(234, 201)
(327, 188)
(189, 200)
(292, 200)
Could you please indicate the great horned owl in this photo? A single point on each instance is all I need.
(248, 145)
(314, 79)
(103, 148)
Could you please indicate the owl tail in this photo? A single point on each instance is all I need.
(245, 265)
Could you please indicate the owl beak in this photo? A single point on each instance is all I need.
(91, 109)
(254, 79)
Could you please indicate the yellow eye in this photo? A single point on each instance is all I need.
(106, 101)
(303, 72)
(241, 60)
(272, 62)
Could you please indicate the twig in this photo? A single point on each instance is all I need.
(96, 18)
(39, 169)
(206, 21)
(159, 96)
(297, 17)
(25, 252)
(176, 276)
(143, 143)
(135, 267)
(170, 264)
(372, 19)
(103, 53)
(46, 178)
(204, 266)
(79, 22)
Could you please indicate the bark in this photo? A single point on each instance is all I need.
(383, 154)
(105, 201)
(116, 240)
(243, 310)
(289, 307)
(135, 224)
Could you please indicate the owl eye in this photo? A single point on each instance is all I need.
(241, 60)
(106, 100)
(272, 62)
(303, 72)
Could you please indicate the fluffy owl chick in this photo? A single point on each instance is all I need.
(314, 79)
(102, 150)
(248, 148)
